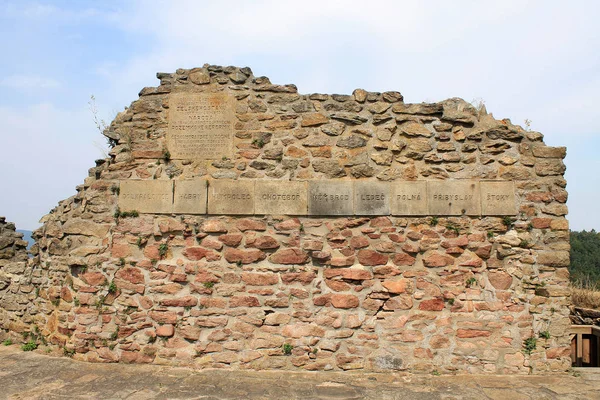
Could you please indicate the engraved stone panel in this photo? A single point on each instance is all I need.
(154, 197)
(409, 198)
(371, 198)
(231, 197)
(498, 198)
(281, 197)
(330, 198)
(453, 198)
(190, 197)
(200, 126)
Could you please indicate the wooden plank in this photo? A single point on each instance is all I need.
(586, 349)
(579, 349)
(584, 329)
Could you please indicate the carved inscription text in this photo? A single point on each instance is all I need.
(200, 126)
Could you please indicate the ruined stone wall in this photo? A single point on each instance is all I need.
(17, 283)
(380, 292)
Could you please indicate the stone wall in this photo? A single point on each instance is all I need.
(17, 282)
(380, 292)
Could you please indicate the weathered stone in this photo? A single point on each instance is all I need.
(289, 256)
(371, 198)
(243, 256)
(200, 125)
(409, 198)
(273, 197)
(351, 142)
(231, 197)
(330, 198)
(339, 300)
(371, 257)
(453, 198)
(190, 197)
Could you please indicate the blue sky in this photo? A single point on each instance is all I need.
(536, 60)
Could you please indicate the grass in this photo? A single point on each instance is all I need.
(29, 346)
(586, 296)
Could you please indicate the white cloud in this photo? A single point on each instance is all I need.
(26, 82)
(48, 152)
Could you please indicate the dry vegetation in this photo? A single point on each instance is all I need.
(586, 295)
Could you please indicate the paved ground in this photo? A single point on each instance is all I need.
(39, 376)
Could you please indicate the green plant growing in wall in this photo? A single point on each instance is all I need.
(287, 349)
(470, 282)
(544, 335)
(166, 156)
(208, 285)
(7, 342)
(112, 288)
(453, 228)
(29, 346)
(68, 352)
(529, 345)
(260, 143)
(508, 222)
(163, 248)
(434, 221)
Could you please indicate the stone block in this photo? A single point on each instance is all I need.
(409, 198)
(190, 197)
(498, 198)
(281, 197)
(152, 197)
(454, 197)
(231, 197)
(371, 198)
(200, 126)
(330, 198)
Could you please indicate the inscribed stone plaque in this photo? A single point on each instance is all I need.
(453, 198)
(200, 126)
(409, 198)
(231, 197)
(154, 197)
(330, 198)
(371, 198)
(190, 197)
(281, 197)
(498, 198)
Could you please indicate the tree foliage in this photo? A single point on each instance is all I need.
(585, 258)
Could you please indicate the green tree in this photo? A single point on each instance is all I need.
(585, 258)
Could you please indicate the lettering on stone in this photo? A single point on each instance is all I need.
(231, 197)
(152, 197)
(371, 198)
(498, 198)
(190, 197)
(453, 198)
(281, 197)
(200, 126)
(409, 198)
(330, 198)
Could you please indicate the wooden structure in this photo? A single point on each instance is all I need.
(585, 345)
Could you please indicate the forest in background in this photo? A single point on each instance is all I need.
(585, 259)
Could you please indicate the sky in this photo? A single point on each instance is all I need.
(535, 60)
